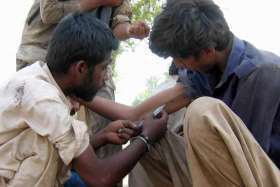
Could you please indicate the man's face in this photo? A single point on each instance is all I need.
(203, 63)
(93, 81)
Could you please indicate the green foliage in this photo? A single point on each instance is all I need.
(145, 9)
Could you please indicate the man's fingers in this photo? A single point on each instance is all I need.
(145, 28)
(140, 30)
(129, 124)
(127, 131)
(124, 136)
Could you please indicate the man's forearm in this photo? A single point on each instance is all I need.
(111, 109)
(173, 98)
(108, 172)
(123, 162)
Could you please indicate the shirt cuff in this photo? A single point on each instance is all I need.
(119, 19)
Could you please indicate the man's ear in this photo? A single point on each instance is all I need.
(79, 68)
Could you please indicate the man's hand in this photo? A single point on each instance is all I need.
(155, 128)
(87, 5)
(75, 105)
(117, 132)
(120, 131)
(138, 30)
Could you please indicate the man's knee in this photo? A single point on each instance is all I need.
(203, 105)
(201, 116)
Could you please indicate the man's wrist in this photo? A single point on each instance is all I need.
(144, 139)
(99, 140)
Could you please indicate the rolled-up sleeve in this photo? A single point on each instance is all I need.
(52, 11)
(51, 118)
(73, 143)
(122, 13)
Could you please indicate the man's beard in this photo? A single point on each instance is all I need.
(87, 90)
(85, 93)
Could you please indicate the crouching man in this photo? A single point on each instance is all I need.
(39, 139)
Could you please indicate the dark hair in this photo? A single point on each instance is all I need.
(79, 36)
(173, 70)
(184, 29)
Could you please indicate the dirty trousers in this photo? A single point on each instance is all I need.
(215, 150)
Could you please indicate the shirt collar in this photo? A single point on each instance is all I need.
(237, 51)
(53, 82)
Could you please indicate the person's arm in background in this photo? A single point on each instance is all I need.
(52, 11)
(123, 28)
(126, 30)
(173, 98)
(108, 172)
